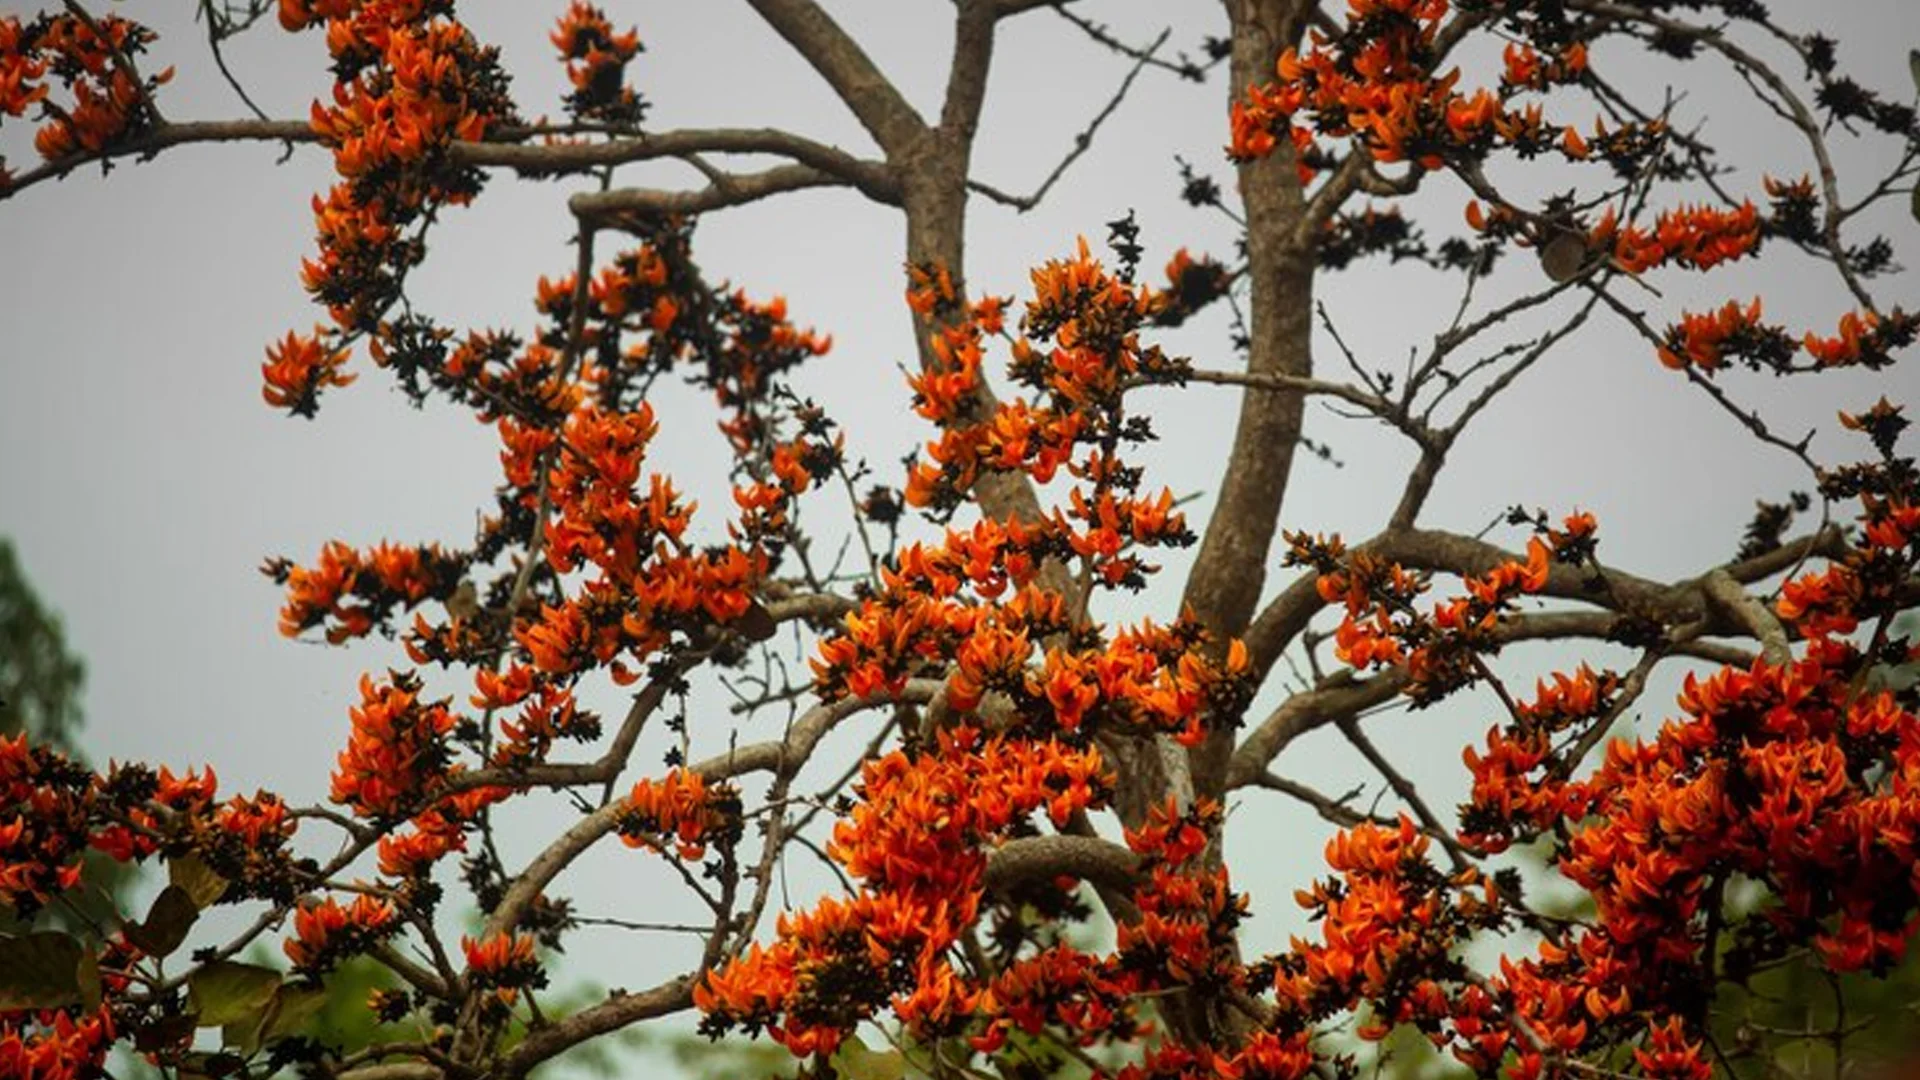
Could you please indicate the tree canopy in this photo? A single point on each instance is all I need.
(1024, 702)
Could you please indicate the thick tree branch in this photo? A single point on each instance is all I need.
(1043, 858)
(1341, 695)
(606, 208)
(1229, 570)
(852, 74)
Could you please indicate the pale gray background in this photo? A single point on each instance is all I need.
(143, 479)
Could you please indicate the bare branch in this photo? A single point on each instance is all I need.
(1081, 142)
(608, 207)
(1043, 858)
(867, 93)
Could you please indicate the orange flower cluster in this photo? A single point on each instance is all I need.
(1517, 790)
(324, 931)
(1526, 69)
(397, 750)
(1375, 84)
(1189, 915)
(352, 592)
(437, 831)
(1382, 629)
(298, 367)
(649, 585)
(1389, 924)
(917, 842)
(107, 103)
(1865, 339)
(504, 964)
(55, 1044)
(1693, 237)
(547, 715)
(412, 82)
(1791, 775)
(1707, 340)
(46, 809)
(682, 810)
(597, 64)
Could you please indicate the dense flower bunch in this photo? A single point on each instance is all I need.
(1030, 683)
(597, 60)
(680, 811)
(106, 100)
(411, 83)
(397, 749)
(67, 1001)
(351, 593)
(917, 842)
(1377, 83)
(1774, 817)
(502, 965)
(1691, 237)
(1436, 652)
(326, 931)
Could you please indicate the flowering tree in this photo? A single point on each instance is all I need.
(1041, 755)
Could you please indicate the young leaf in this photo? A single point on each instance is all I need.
(39, 971)
(202, 885)
(225, 992)
(292, 1007)
(172, 915)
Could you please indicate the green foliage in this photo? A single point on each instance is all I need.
(41, 971)
(39, 680)
(40, 683)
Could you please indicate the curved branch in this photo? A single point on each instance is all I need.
(1043, 858)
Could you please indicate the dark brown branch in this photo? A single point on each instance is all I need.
(873, 178)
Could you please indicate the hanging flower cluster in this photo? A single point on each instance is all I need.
(411, 84)
(103, 100)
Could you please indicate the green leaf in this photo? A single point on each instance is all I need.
(1915, 207)
(293, 1007)
(202, 885)
(40, 971)
(87, 976)
(855, 1062)
(224, 992)
(167, 922)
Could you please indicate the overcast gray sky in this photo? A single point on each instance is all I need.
(143, 479)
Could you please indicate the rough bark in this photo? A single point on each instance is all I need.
(1230, 569)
